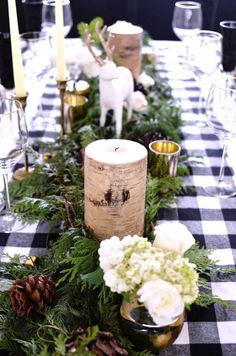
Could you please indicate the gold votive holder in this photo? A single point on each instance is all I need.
(163, 158)
(75, 109)
(139, 327)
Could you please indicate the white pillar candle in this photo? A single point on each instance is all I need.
(60, 49)
(115, 186)
(16, 51)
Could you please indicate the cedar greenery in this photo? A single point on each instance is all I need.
(53, 192)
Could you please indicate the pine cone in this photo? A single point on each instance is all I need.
(153, 136)
(105, 344)
(31, 292)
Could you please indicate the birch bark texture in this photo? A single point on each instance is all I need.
(126, 41)
(115, 173)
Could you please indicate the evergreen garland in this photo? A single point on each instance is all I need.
(53, 192)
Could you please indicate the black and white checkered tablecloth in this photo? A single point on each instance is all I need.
(212, 221)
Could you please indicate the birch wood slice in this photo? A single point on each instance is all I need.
(115, 187)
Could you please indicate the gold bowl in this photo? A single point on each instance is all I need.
(139, 328)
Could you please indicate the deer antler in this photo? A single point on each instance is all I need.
(88, 40)
(105, 44)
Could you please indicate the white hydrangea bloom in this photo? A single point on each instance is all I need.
(125, 262)
(110, 253)
(162, 300)
(132, 262)
(173, 236)
(182, 274)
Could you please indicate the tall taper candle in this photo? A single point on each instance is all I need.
(60, 50)
(115, 186)
(16, 51)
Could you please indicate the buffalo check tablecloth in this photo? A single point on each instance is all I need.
(212, 221)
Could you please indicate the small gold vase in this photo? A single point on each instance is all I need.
(139, 328)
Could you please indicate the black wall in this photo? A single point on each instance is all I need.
(153, 15)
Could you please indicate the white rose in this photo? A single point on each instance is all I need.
(146, 80)
(162, 300)
(138, 101)
(173, 236)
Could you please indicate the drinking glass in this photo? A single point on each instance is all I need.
(221, 117)
(228, 30)
(48, 17)
(186, 22)
(205, 54)
(36, 55)
(32, 12)
(6, 69)
(37, 62)
(14, 141)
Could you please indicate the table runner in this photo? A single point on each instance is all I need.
(212, 221)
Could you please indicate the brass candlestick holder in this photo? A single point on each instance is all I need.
(61, 85)
(21, 173)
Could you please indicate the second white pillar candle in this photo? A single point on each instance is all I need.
(115, 186)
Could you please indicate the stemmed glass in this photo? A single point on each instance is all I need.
(35, 46)
(14, 142)
(186, 22)
(37, 64)
(221, 117)
(205, 54)
(32, 12)
(48, 17)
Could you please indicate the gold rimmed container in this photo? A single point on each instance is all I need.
(75, 109)
(140, 329)
(163, 158)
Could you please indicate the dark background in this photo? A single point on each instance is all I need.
(153, 15)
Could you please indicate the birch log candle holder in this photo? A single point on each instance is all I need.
(115, 185)
(126, 39)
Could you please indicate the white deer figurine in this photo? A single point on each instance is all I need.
(115, 83)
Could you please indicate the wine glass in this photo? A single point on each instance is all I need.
(186, 22)
(48, 17)
(205, 55)
(32, 12)
(36, 64)
(221, 117)
(14, 142)
(228, 30)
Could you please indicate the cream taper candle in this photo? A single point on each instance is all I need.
(115, 185)
(60, 49)
(16, 51)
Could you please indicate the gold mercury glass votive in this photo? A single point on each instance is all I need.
(163, 158)
(75, 109)
(139, 327)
